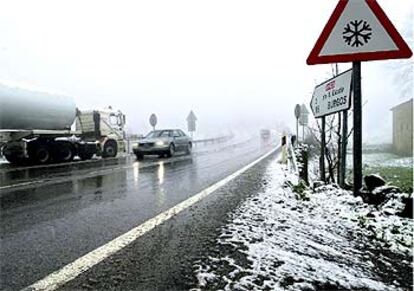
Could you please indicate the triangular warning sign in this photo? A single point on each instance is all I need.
(191, 117)
(358, 30)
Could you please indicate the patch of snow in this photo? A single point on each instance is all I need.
(382, 160)
(292, 244)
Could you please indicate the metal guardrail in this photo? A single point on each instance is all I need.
(214, 140)
(293, 157)
(224, 138)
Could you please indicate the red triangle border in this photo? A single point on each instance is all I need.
(403, 50)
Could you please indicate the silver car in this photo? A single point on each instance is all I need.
(164, 142)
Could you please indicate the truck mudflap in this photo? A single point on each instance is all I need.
(86, 150)
(122, 146)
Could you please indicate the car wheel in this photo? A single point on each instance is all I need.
(171, 150)
(189, 149)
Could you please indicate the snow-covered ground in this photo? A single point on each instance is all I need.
(327, 240)
(383, 160)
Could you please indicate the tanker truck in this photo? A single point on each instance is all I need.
(41, 128)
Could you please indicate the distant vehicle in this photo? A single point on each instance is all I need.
(265, 134)
(35, 127)
(164, 142)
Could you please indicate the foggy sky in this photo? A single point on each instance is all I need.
(237, 64)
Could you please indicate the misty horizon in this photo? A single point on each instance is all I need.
(233, 63)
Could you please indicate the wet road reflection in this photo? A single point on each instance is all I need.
(50, 224)
(12, 175)
(161, 173)
(136, 172)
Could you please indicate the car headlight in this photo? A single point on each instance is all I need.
(159, 143)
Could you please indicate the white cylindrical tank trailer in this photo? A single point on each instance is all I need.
(25, 109)
(35, 127)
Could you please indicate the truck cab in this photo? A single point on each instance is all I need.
(105, 127)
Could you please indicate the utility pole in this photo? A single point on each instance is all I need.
(357, 127)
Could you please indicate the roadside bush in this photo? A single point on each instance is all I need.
(301, 191)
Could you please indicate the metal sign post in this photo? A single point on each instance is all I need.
(338, 171)
(303, 120)
(338, 166)
(191, 123)
(303, 132)
(357, 127)
(343, 149)
(323, 145)
(297, 115)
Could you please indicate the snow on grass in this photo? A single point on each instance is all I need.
(383, 160)
(397, 171)
(276, 242)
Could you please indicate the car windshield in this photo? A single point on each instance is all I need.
(159, 133)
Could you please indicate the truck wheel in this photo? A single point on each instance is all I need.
(63, 152)
(171, 151)
(110, 149)
(40, 154)
(14, 159)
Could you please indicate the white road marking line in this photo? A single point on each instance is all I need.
(21, 184)
(84, 263)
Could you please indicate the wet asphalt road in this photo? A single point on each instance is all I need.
(51, 216)
(164, 258)
(167, 257)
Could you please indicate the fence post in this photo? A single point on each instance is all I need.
(303, 159)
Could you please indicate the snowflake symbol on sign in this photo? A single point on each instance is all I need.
(357, 33)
